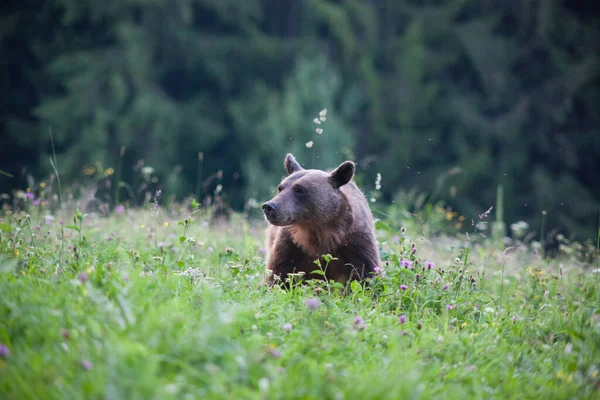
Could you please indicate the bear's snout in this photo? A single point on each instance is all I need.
(269, 206)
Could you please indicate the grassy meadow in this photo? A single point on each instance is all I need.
(166, 303)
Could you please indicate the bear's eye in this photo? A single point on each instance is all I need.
(299, 190)
(279, 188)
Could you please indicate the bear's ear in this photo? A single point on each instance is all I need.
(291, 165)
(342, 174)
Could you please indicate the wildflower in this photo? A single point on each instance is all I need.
(406, 263)
(378, 182)
(48, 219)
(109, 171)
(323, 113)
(29, 195)
(161, 245)
(309, 144)
(83, 276)
(312, 303)
(37, 227)
(166, 224)
(429, 264)
(414, 250)
(319, 131)
(403, 333)
(4, 351)
(87, 365)
(450, 306)
(457, 260)
(379, 271)
(276, 353)
(514, 318)
(37, 202)
(316, 121)
(287, 327)
(359, 323)
(396, 239)
(209, 249)
(403, 230)
(419, 325)
(445, 287)
(404, 287)
(142, 226)
(263, 385)
(402, 319)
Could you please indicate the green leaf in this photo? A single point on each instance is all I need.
(182, 239)
(379, 224)
(356, 287)
(74, 227)
(180, 264)
(336, 285)
(318, 272)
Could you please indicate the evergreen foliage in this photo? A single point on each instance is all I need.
(479, 93)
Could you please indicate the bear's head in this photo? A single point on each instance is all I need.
(308, 196)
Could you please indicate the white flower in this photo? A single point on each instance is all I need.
(319, 131)
(323, 112)
(316, 121)
(309, 144)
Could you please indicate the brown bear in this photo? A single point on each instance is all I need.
(316, 213)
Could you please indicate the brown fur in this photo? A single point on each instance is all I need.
(317, 213)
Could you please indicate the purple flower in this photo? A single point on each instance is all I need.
(275, 353)
(161, 245)
(450, 306)
(4, 351)
(445, 287)
(379, 271)
(396, 238)
(87, 365)
(287, 327)
(402, 319)
(406, 263)
(514, 318)
(37, 202)
(37, 227)
(83, 276)
(29, 195)
(120, 209)
(312, 303)
(403, 287)
(429, 264)
(262, 251)
(210, 249)
(414, 250)
(359, 323)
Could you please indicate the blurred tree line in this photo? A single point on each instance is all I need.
(450, 97)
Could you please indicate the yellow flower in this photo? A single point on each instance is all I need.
(166, 224)
(463, 324)
(142, 226)
(560, 374)
(109, 172)
(17, 252)
(42, 185)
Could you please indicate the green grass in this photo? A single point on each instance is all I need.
(176, 312)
